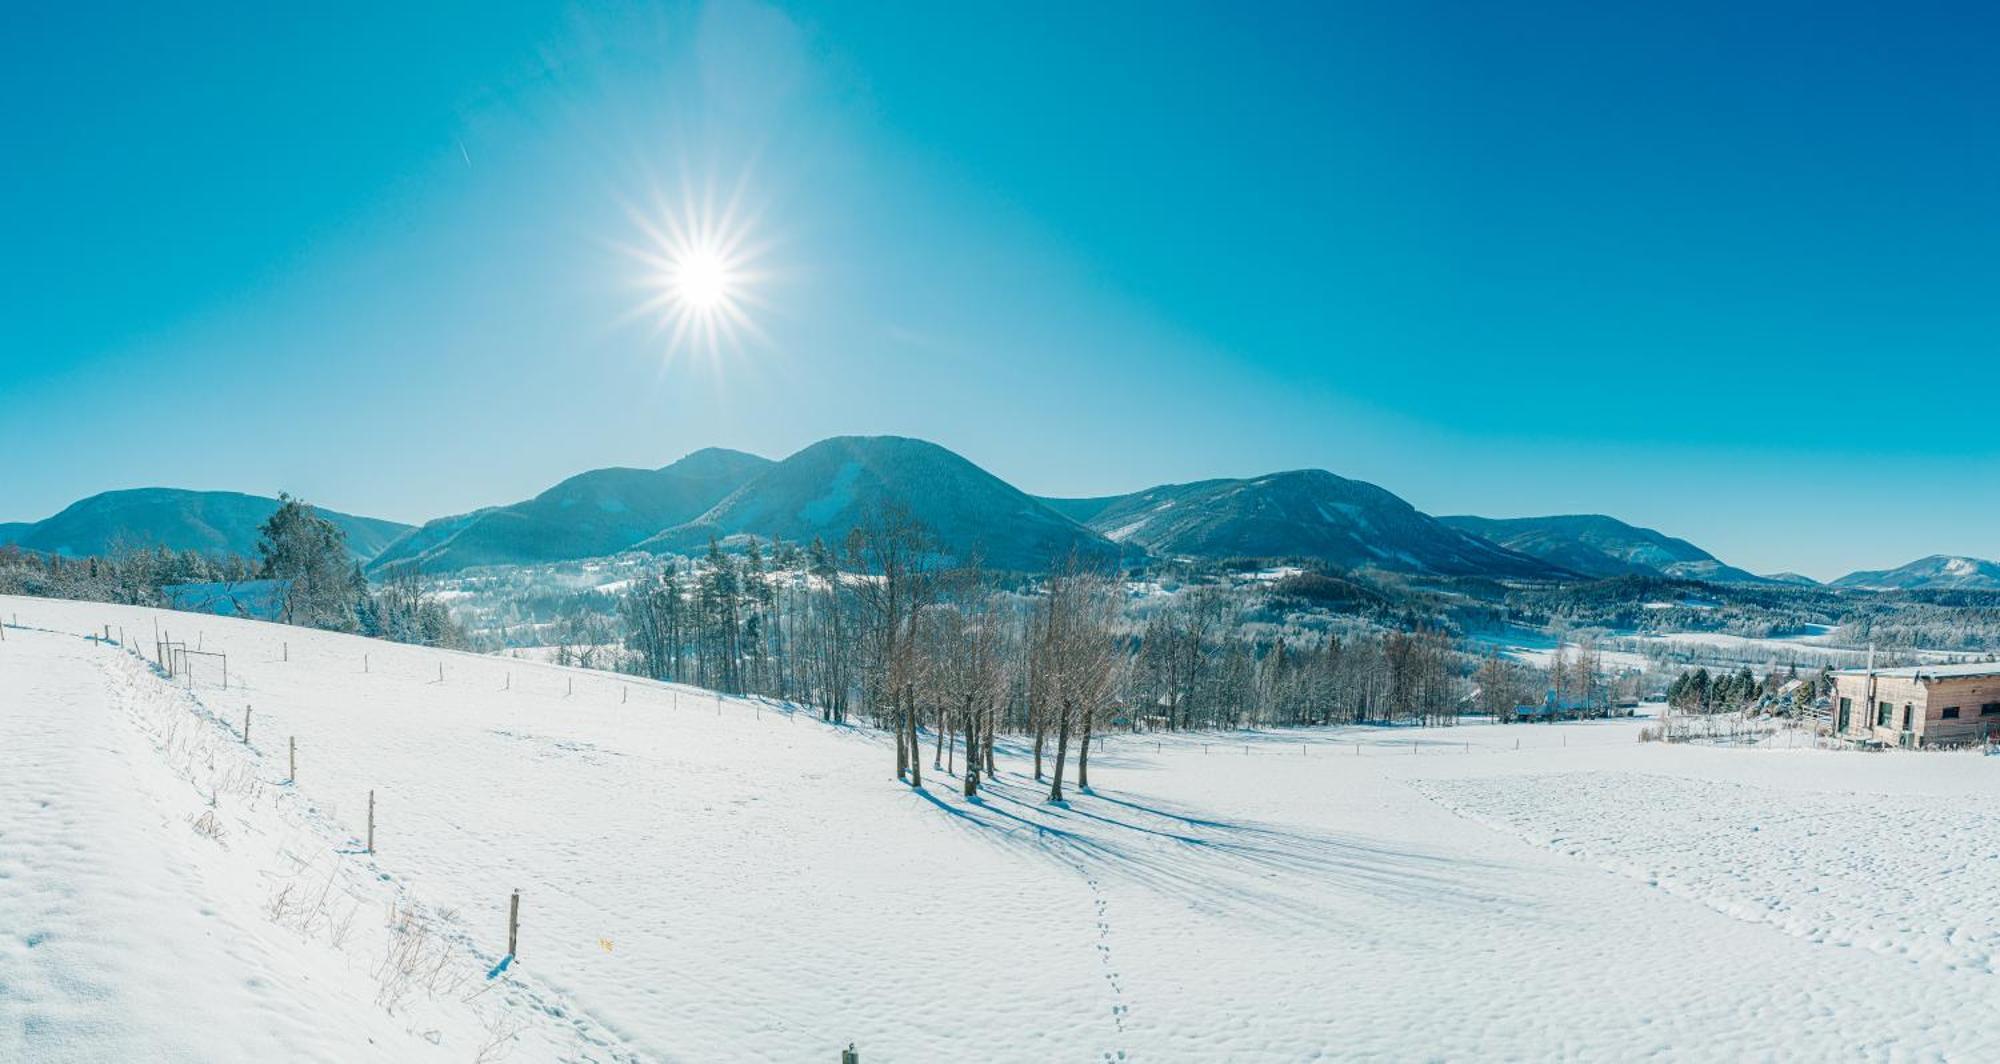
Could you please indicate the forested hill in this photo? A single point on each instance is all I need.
(1308, 514)
(210, 522)
(600, 512)
(839, 484)
(1596, 545)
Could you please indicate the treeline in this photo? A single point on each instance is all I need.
(315, 583)
(882, 626)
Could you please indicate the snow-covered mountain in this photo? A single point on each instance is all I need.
(215, 522)
(1306, 513)
(591, 514)
(1596, 545)
(1937, 572)
(840, 483)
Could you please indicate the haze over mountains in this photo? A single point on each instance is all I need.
(828, 488)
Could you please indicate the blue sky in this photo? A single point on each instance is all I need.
(1722, 271)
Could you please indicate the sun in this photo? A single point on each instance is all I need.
(700, 273)
(701, 280)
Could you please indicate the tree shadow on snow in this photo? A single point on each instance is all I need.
(1223, 867)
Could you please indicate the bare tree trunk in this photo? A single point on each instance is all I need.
(916, 747)
(992, 715)
(937, 748)
(1041, 731)
(1062, 749)
(971, 750)
(1083, 757)
(902, 750)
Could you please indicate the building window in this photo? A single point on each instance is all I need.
(1990, 709)
(1883, 712)
(1950, 713)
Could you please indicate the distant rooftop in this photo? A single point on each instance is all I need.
(1932, 672)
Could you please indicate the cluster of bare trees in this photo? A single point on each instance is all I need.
(1196, 666)
(887, 627)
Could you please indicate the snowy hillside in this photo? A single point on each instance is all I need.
(708, 879)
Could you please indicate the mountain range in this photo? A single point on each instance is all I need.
(828, 488)
(1599, 546)
(589, 515)
(213, 522)
(840, 483)
(1937, 572)
(1305, 513)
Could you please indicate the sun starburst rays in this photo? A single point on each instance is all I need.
(701, 266)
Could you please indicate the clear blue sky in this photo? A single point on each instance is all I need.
(1728, 270)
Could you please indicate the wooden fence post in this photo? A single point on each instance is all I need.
(371, 821)
(514, 922)
(294, 777)
(246, 724)
(364, 663)
(440, 672)
(288, 650)
(572, 687)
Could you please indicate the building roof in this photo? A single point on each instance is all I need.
(1932, 672)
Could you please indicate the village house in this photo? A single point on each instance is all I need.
(1923, 705)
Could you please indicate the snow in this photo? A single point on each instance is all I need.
(721, 879)
(1126, 531)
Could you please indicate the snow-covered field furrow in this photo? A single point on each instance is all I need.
(713, 879)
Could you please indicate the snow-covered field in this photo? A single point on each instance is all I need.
(710, 879)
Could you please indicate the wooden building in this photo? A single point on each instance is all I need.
(1923, 705)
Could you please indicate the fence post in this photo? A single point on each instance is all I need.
(364, 663)
(371, 821)
(440, 672)
(566, 693)
(288, 650)
(246, 724)
(294, 777)
(513, 922)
